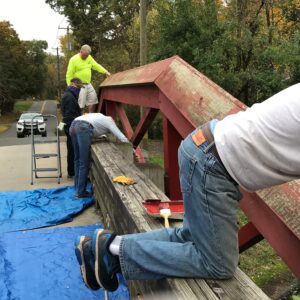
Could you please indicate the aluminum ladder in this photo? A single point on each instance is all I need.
(34, 156)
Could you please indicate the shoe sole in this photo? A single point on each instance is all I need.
(80, 258)
(99, 232)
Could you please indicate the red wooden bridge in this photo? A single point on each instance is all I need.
(186, 99)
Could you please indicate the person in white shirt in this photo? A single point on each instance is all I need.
(255, 149)
(82, 130)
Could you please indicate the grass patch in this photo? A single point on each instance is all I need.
(158, 160)
(3, 128)
(21, 106)
(260, 262)
(242, 218)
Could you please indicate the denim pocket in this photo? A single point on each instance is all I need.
(187, 166)
(83, 127)
(216, 168)
(219, 181)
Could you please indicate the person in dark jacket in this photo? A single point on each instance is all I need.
(70, 110)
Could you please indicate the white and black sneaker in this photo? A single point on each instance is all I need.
(85, 257)
(106, 265)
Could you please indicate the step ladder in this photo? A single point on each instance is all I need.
(35, 156)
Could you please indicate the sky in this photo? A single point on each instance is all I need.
(34, 19)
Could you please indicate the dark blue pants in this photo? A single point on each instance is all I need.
(81, 133)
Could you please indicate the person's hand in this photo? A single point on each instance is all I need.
(107, 74)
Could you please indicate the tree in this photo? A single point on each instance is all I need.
(36, 66)
(50, 84)
(243, 46)
(12, 80)
(22, 65)
(101, 24)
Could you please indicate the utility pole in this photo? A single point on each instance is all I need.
(143, 39)
(143, 32)
(68, 41)
(58, 73)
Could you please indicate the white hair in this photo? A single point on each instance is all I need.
(86, 48)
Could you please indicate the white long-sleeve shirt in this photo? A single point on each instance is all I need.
(260, 147)
(103, 124)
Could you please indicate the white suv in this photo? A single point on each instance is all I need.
(25, 122)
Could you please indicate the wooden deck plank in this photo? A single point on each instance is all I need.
(122, 211)
(144, 183)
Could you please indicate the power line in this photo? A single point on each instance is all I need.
(56, 38)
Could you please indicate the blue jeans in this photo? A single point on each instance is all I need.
(207, 244)
(81, 133)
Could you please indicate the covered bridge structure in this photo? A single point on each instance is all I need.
(186, 99)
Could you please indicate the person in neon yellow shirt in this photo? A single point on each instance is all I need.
(81, 66)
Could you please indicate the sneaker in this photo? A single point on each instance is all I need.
(85, 257)
(106, 265)
(84, 195)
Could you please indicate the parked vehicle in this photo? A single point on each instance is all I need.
(25, 121)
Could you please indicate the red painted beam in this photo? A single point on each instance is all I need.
(110, 108)
(124, 120)
(100, 106)
(275, 231)
(180, 123)
(128, 131)
(142, 127)
(139, 155)
(248, 236)
(146, 95)
(172, 140)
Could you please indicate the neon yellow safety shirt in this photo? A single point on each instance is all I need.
(81, 68)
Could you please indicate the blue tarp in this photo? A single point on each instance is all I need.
(39, 208)
(41, 265)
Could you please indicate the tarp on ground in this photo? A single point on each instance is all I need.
(41, 265)
(39, 208)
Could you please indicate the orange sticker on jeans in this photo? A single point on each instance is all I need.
(198, 137)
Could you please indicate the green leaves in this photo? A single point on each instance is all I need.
(22, 67)
(97, 23)
(36, 68)
(244, 46)
(11, 62)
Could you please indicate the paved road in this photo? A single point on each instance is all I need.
(9, 137)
